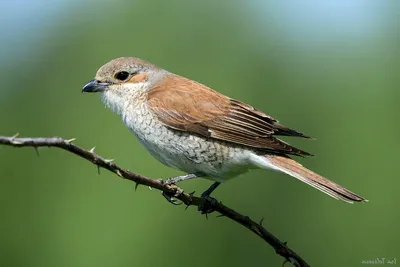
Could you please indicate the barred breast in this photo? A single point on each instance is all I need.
(184, 151)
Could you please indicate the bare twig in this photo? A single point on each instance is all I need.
(172, 190)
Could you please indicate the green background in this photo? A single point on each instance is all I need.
(327, 68)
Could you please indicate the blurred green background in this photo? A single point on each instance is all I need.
(326, 68)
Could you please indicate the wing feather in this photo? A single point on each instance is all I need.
(185, 105)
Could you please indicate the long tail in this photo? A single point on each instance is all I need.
(296, 170)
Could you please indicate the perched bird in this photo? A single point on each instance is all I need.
(188, 126)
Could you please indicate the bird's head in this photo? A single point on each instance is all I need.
(123, 80)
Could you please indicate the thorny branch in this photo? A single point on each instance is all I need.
(257, 228)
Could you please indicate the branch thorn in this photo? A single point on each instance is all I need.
(14, 136)
(36, 150)
(69, 141)
(12, 139)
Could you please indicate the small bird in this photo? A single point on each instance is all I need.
(189, 126)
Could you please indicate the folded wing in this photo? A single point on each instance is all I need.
(192, 107)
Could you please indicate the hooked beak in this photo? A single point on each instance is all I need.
(95, 86)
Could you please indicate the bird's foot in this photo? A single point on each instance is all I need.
(169, 181)
(206, 205)
(172, 181)
(172, 198)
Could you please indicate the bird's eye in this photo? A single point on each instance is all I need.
(122, 75)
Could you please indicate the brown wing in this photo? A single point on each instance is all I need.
(189, 106)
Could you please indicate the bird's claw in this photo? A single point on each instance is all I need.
(169, 181)
(205, 207)
(171, 199)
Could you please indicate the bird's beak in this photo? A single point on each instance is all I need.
(95, 86)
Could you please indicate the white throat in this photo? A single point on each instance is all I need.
(119, 100)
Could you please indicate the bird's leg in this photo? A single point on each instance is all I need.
(181, 178)
(174, 180)
(204, 208)
(211, 189)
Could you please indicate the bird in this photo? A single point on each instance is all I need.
(193, 128)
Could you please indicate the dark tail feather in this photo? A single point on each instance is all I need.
(284, 131)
